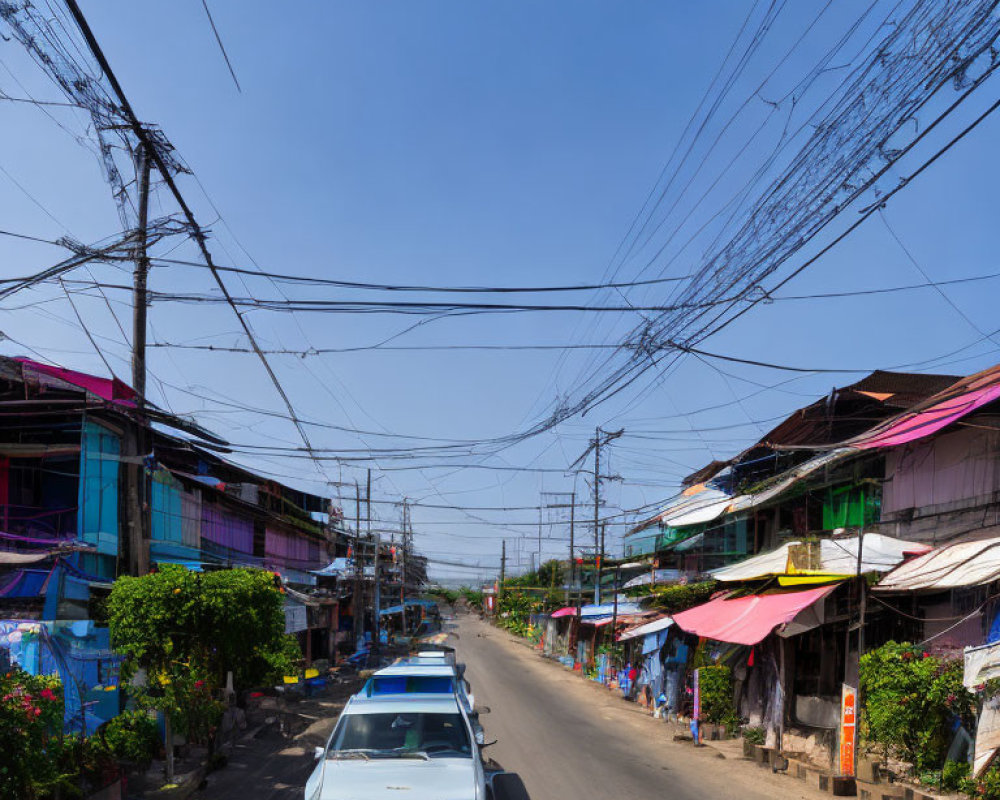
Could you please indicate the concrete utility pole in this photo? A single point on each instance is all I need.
(539, 535)
(503, 567)
(600, 569)
(357, 604)
(368, 536)
(572, 559)
(136, 444)
(377, 626)
(597, 506)
(402, 558)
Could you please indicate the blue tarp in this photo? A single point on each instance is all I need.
(80, 653)
(396, 609)
(337, 568)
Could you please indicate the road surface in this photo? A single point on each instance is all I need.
(572, 740)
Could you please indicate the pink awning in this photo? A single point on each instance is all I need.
(568, 611)
(747, 620)
(938, 411)
(110, 389)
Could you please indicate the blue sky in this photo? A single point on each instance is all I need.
(464, 144)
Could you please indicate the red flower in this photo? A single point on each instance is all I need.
(38, 712)
(48, 694)
(926, 654)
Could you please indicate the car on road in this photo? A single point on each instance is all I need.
(423, 675)
(389, 746)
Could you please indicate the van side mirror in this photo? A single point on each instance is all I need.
(318, 753)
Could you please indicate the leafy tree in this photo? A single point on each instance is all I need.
(550, 573)
(187, 630)
(229, 620)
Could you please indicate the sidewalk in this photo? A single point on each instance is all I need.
(266, 764)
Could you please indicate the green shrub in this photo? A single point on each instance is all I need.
(955, 775)
(717, 704)
(680, 597)
(132, 736)
(909, 699)
(31, 720)
(754, 734)
(987, 787)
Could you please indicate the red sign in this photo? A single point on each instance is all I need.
(848, 728)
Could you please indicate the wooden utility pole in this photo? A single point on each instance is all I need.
(135, 440)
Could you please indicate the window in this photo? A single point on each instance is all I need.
(402, 732)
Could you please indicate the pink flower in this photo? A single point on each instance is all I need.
(38, 712)
(199, 684)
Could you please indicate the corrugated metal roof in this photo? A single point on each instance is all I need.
(788, 479)
(647, 628)
(950, 567)
(844, 413)
(962, 398)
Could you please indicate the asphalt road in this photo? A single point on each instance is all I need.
(572, 740)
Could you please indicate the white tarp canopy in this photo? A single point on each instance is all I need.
(696, 505)
(660, 576)
(950, 567)
(981, 664)
(647, 628)
(837, 556)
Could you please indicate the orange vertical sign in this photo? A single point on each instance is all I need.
(848, 728)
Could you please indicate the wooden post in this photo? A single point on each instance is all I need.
(135, 440)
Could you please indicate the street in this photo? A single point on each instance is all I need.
(567, 739)
(570, 739)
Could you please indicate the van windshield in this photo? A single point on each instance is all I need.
(401, 733)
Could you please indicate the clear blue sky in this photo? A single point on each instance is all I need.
(470, 143)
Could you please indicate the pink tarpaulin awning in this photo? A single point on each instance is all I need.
(935, 413)
(747, 620)
(568, 611)
(110, 389)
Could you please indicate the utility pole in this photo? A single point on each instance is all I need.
(539, 535)
(503, 568)
(600, 569)
(572, 559)
(368, 537)
(597, 506)
(402, 557)
(136, 443)
(357, 603)
(377, 626)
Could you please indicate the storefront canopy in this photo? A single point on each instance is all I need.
(567, 611)
(655, 626)
(748, 620)
(949, 567)
(608, 609)
(835, 557)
